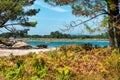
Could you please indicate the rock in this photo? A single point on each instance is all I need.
(21, 45)
(3, 46)
(6, 42)
(41, 46)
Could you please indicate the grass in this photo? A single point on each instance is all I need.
(70, 62)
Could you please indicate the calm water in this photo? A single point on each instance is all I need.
(55, 44)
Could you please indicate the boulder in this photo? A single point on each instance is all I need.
(21, 45)
(6, 42)
(3, 46)
(41, 46)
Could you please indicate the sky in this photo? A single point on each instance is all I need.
(53, 18)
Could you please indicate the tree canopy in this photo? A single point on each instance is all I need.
(93, 9)
(14, 12)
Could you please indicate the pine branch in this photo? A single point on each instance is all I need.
(11, 24)
(76, 23)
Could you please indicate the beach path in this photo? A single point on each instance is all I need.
(7, 52)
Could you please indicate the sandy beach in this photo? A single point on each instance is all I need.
(7, 52)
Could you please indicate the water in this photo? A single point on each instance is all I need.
(60, 43)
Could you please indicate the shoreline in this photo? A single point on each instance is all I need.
(56, 39)
(19, 52)
(7, 52)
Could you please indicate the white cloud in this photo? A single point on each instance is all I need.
(54, 8)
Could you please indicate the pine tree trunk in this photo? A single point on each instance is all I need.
(111, 33)
(118, 37)
(113, 22)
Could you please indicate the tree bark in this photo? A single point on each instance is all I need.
(117, 23)
(111, 35)
(118, 37)
(114, 31)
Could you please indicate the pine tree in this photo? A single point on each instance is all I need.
(93, 9)
(14, 12)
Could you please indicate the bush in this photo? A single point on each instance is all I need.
(71, 62)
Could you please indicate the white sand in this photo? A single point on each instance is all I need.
(7, 52)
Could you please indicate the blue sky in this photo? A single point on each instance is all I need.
(52, 18)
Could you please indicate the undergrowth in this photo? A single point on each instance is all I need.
(70, 62)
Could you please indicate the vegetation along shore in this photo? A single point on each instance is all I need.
(67, 63)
